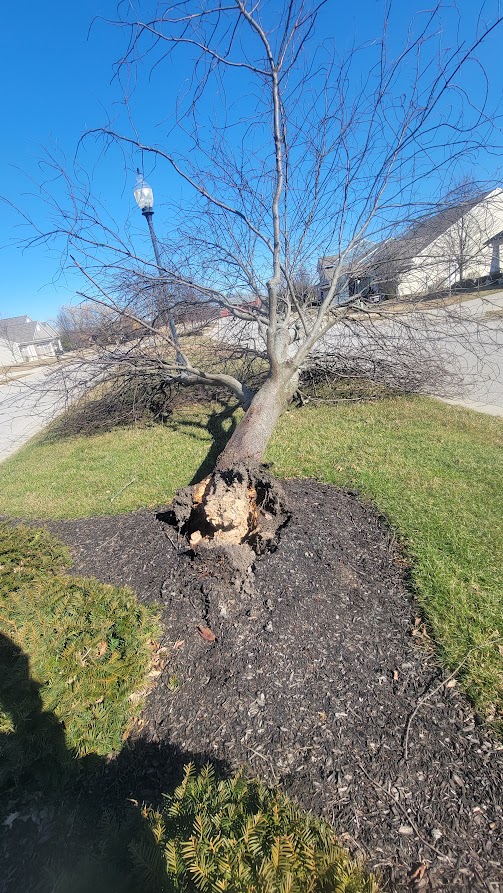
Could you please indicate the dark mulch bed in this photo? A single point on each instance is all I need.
(311, 683)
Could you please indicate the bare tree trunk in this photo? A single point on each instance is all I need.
(251, 437)
(240, 503)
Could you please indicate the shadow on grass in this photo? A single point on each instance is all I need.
(66, 821)
(220, 436)
(128, 402)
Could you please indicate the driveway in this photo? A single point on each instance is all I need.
(468, 343)
(469, 336)
(479, 357)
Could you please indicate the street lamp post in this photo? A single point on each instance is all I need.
(144, 196)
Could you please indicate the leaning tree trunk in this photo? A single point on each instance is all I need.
(240, 502)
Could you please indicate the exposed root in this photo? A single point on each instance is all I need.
(218, 593)
(232, 507)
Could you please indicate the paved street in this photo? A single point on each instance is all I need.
(27, 405)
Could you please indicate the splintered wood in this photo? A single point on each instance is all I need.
(226, 511)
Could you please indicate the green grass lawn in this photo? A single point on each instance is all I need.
(434, 470)
(81, 476)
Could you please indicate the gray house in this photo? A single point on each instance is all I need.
(23, 340)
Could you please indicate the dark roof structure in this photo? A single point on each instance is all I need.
(398, 252)
(497, 239)
(15, 320)
(430, 227)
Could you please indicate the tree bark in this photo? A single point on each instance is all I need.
(240, 502)
(251, 437)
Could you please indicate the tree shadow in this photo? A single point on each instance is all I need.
(220, 436)
(67, 821)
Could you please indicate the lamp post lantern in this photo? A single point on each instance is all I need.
(144, 197)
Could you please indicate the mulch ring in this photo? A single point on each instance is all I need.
(313, 683)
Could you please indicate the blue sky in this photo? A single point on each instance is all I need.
(56, 81)
(57, 77)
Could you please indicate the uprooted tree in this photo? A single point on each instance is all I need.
(286, 152)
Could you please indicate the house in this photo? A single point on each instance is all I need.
(458, 244)
(23, 339)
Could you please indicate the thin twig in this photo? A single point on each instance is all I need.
(267, 759)
(432, 692)
(404, 812)
(258, 754)
(122, 489)
(175, 546)
(429, 694)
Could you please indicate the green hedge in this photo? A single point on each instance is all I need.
(72, 653)
(237, 835)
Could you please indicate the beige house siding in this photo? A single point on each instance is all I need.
(430, 256)
(10, 354)
(25, 340)
(438, 265)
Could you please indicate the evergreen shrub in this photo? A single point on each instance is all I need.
(238, 835)
(72, 652)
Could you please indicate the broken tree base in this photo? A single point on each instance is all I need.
(227, 519)
(243, 505)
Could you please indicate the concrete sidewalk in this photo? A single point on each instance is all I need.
(30, 402)
(487, 408)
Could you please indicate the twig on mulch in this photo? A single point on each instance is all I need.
(429, 694)
(406, 814)
(433, 691)
(175, 547)
(479, 876)
(267, 759)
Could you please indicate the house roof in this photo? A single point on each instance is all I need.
(23, 330)
(427, 229)
(496, 239)
(414, 240)
(15, 320)
(373, 256)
